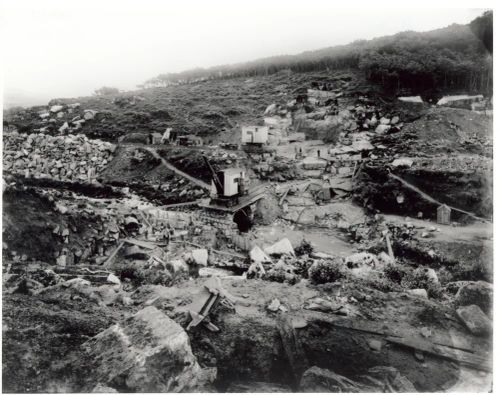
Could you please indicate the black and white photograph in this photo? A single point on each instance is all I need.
(247, 196)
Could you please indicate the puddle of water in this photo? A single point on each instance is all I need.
(327, 241)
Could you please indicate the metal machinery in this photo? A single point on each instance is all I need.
(230, 185)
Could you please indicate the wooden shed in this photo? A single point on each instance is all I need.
(443, 215)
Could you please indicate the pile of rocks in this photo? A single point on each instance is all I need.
(64, 158)
(277, 169)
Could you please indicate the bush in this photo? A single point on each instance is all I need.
(302, 267)
(305, 248)
(155, 275)
(435, 291)
(395, 272)
(322, 272)
(379, 283)
(417, 278)
(281, 276)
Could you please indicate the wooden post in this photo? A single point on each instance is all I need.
(113, 254)
(294, 352)
(389, 247)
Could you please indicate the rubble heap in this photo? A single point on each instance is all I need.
(64, 158)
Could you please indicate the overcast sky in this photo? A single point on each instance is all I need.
(69, 48)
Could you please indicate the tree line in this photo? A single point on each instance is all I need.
(456, 57)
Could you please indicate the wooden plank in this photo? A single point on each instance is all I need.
(233, 209)
(463, 358)
(144, 218)
(140, 243)
(389, 247)
(232, 254)
(284, 196)
(113, 254)
(192, 203)
(363, 327)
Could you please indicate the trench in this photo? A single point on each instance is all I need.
(251, 352)
(243, 219)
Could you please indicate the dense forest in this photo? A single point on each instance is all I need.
(458, 57)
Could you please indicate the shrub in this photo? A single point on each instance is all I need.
(380, 283)
(435, 291)
(154, 275)
(326, 272)
(417, 278)
(395, 272)
(281, 276)
(305, 248)
(302, 267)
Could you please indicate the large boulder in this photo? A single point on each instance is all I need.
(259, 256)
(475, 320)
(282, 247)
(198, 257)
(148, 352)
(56, 108)
(479, 293)
(381, 129)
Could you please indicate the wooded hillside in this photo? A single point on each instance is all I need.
(458, 57)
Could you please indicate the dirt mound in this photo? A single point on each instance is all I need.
(28, 222)
(44, 335)
(451, 125)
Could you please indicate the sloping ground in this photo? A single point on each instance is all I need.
(168, 174)
(37, 336)
(149, 178)
(467, 190)
(28, 220)
(458, 252)
(451, 124)
(248, 347)
(214, 109)
(441, 130)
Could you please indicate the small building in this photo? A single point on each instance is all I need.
(254, 134)
(91, 175)
(230, 179)
(443, 215)
(155, 138)
(166, 136)
(190, 140)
